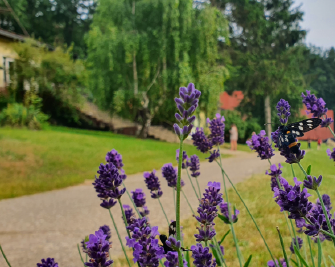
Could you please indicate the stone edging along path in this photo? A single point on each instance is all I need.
(51, 224)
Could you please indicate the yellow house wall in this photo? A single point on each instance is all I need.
(6, 50)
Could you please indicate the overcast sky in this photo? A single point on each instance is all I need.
(319, 21)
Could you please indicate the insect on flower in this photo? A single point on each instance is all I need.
(289, 133)
(172, 232)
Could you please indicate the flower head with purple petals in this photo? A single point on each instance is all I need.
(225, 213)
(312, 182)
(216, 126)
(283, 109)
(275, 174)
(202, 257)
(213, 155)
(153, 184)
(316, 106)
(97, 248)
(186, 104)
(107, 231)
(260, 143)
(194, 164)
(331, 154)
(295, 243)
(272, 264)
(129, 213)
(107, 185)
(49, 262)
(200, 141)
(116, 158)
(172, 260)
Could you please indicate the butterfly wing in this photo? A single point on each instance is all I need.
(301, 127)
(172, 228)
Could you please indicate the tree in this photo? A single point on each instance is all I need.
(265, 57)
(141, 51)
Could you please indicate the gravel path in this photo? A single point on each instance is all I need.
(51, 224)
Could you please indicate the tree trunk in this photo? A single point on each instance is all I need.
(134, 56)
(146, 123)
(267, 110)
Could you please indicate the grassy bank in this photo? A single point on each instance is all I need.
(38, 161)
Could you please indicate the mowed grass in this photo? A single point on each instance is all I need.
(257, 193)
(38, 161)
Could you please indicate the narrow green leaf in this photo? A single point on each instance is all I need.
(299, 256)
(282, 246)
(295, 263)
(223, 238)
(332, 261)
(188, 258)
(309, 169)
(248, 261)
(319, 253)
(224, 219)
(216, 254)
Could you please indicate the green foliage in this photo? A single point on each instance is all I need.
(53, 76)
(140, 55)
(17, 115)
(245, 127)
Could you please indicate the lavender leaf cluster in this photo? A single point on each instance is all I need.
(186, 104)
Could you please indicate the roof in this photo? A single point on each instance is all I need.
(12, 35)
(230, 102)
(318, 133)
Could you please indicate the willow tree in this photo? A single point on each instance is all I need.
(140, 53)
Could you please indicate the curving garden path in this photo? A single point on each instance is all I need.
(51, 224)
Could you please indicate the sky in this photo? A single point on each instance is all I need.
(319, 21)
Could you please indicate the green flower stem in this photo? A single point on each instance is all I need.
(188, 201)
(124, 217)
(325, 213)
(293, 171)
(305, 251)
(3, 254)
(252, 217)
(217, 245)
(324, 259)
(174, 198)
(189, 177)
(82, 260)
(330, 129)
(310, 250)
(160, 203)
(180, 256)
(118, 235)
(198, 187)
(303, 170)
(132, 201)
(297, 243)
(282, 245)
(229, 213)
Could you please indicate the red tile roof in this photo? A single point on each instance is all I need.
(230, 102)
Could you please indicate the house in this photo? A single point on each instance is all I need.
(231, 102)
(7, 56)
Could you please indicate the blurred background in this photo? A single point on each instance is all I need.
(80, 77)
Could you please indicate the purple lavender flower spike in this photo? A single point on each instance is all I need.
(173, 243)
(202, 257)
(216, 126)
(214, 155)
(294, 243)
(153, 184)
(326, 200)
(186, 105)
(139, 197)
(147, 252)
(331, 154)
(145, 211)
(200, 141)
(185, 157)
(274, 174)
(129, 213)
(272, 264)
(49, 262)
(172, 260)
(283, 109)
(107, 185)
(225, 213)
(207, 211)
(116, 158)
(170, 174)
(97, 248)
(194, 164)
(260, 143)
(293, 199)
(107, 231)
(316, 106)
(312, 182)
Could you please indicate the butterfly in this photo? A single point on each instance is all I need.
(163, 238)
(289, 133)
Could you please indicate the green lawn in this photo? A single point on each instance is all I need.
(37, 161)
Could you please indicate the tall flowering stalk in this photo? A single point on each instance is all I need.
(4, 256)
(186, 104)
